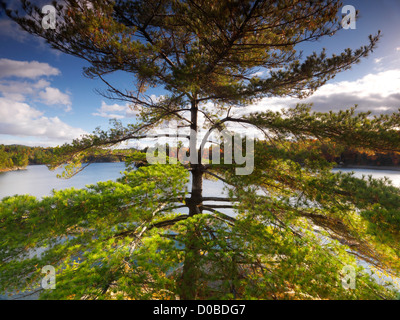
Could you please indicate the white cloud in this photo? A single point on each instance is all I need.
(383, 83)
(26, 69)
(257, 74)
(18, 90)
(11, 29)
(39, 90)
(379, 93)
(111, 108)
(116, 111)
(20, 119)
(53, 96)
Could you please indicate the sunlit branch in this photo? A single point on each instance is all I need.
(216, 176)
(220, 199)
(220, 216)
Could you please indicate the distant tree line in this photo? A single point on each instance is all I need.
(18, 156)
(359, 157)
(342, 156)
(354, 157)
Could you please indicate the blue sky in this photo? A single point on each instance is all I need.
(46, 101)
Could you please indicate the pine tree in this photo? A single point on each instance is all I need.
(297, 224)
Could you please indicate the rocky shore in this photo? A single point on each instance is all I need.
(12, 169)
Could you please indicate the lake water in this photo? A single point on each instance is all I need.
(39, 181)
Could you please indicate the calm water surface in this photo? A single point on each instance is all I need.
(39, 181)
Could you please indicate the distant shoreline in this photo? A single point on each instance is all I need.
(12, 169)
(42, 164)
(392, 168)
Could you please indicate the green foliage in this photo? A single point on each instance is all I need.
(18, 156)
(87, 225)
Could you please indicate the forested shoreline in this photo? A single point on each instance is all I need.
(355, 158)
(17, 157)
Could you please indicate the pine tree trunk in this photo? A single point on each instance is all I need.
(190, 272)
